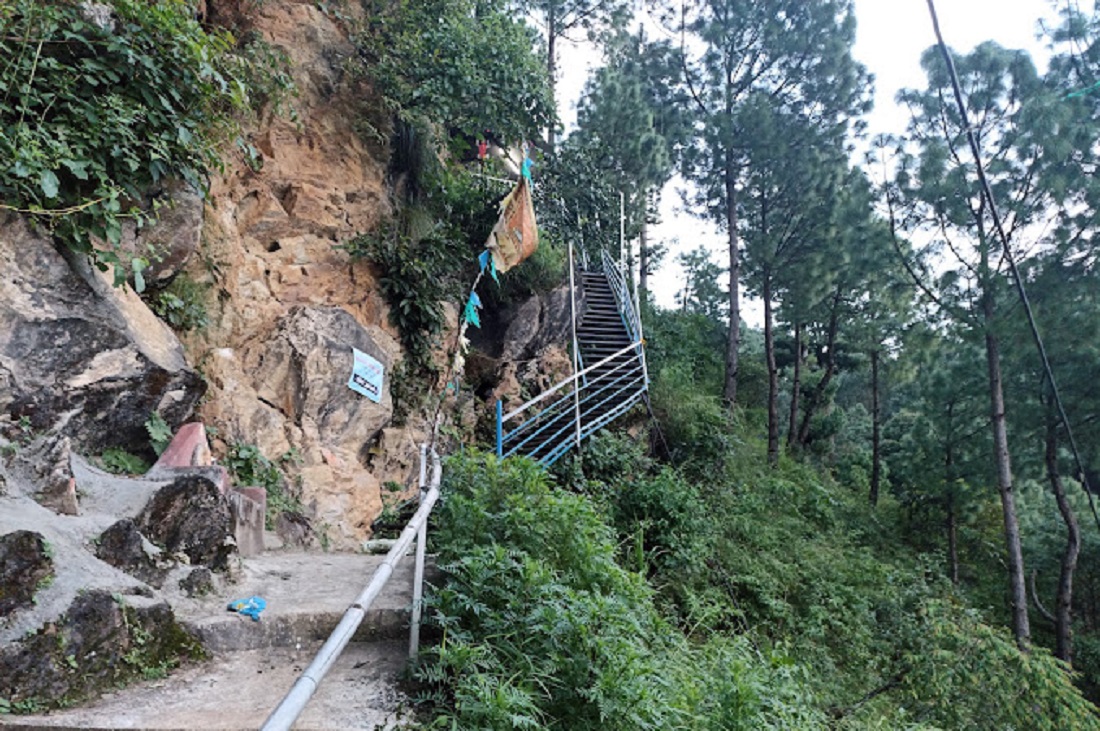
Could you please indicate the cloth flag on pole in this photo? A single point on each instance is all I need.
(515, 235)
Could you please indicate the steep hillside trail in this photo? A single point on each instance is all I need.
(250, 665)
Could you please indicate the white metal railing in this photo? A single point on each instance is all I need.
(547, 426)
(292, 705)
(622, 297)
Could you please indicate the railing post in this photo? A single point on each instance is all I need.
(622, 234)
(418, 572)
(500, 429)
(576, 347)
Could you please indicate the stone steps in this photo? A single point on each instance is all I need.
(253, 664)
(238, 690)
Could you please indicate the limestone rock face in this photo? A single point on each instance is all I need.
(79, 354)
(24, 563)
(191, 516)
(286, 304)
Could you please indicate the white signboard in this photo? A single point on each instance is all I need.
(366, 376)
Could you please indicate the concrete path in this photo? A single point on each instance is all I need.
(254, 664)
(238, 690)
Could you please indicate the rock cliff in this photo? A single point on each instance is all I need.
(287, 305)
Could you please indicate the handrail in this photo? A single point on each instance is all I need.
(622, 296)
(292, 705)
(557, 387)
(554, 419)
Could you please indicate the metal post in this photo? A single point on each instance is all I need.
(418, 573)
(284, 715)
(500, 429)
(622, 234)
(638, 322)
(576, 346)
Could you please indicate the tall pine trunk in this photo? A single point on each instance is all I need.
(876, 431)
(951, 525)
(1021, 624)
(796, 388)
(951, 521)
(817, 396)
(552, 64)
(643, 257)
(733, 341)
(1063, 611)
(773, 373)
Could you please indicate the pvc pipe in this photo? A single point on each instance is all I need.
(418, 572)
(292, 705)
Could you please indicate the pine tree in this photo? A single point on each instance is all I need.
(795, 55)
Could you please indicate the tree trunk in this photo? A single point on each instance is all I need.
(952, 519)
(1021, 624)
(552, 64)
(733, 341)
(796, 388)
(818, 394)
(643, 257)
(773, 373)
(876, 431)
(1063, 611)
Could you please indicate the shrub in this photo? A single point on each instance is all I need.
(543, 629)
(180, 304)
(97, 113)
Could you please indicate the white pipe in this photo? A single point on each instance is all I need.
(622, 232)
(287, 712)
(576, 345)
(418, 573)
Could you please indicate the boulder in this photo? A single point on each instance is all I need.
(192, 517)
(47, 463)
(80, 354)
(25, 564)
(100, 642)
(305, 368)
(123, 546)
(170, 241)
(198, 582)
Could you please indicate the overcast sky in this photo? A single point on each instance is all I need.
(891, 36)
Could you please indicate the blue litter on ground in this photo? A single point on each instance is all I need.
(250, 607)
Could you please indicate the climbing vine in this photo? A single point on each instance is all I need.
(100, 104)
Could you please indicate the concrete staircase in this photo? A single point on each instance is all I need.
(252, 664)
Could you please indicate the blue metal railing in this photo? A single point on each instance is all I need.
(555, 421)
(548, 425)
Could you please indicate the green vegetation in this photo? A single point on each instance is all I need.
(182, 304)
(97, 113)
(249, 467)
(118, 461)
(468, 65)
(160, 434)
(775, 599)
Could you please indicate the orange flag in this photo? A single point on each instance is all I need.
(515, 235)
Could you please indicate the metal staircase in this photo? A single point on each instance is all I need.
(609, 339)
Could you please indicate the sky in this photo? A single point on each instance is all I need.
(891, 35)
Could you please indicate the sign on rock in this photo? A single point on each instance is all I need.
(366, 376)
